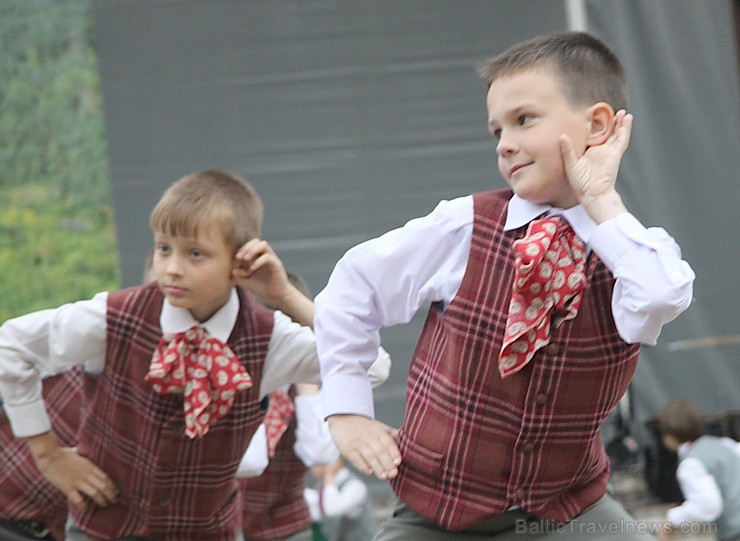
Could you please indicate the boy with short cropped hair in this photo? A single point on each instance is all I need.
(541, 296)
(181, 364)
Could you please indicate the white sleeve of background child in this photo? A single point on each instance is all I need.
(653, 284)
(702, 497)
(256, 458)
(291, 356)
(311, 495)
(313, 442)
(336, 502)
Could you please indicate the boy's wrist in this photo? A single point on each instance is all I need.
(42, 447)
(604, 207)
(295, 305)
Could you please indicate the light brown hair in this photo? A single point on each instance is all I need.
(210, 198)
(682, 420)
(588, 71)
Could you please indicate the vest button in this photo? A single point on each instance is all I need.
(553, 349)
(541, 398)
(519, 494)
(527, 447)
(163, 502)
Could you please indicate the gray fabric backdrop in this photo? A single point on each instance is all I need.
(353, 116)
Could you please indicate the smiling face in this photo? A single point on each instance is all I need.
(527, 113)
(194, 273)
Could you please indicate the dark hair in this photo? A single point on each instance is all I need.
(682, 420)
(210, 199)
(588, 70)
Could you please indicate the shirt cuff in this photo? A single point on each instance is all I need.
(675, 516)
(29, 419)
(350, 395)
(614, 237)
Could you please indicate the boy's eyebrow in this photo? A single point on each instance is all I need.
(513, 112)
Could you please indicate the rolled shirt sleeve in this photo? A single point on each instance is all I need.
(47, 342)
(653, 284)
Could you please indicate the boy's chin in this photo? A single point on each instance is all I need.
(566, 198)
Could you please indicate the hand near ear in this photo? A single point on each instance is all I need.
(260, 270)
(593, 175)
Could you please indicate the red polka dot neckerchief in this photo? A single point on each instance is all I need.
(548, 282)
(204, 369)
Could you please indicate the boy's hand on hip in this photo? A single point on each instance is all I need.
(368, 444)
(77, 477)
(594, 174)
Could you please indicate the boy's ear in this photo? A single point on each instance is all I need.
(601, 123)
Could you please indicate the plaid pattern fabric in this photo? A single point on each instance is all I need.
(24, 493)
(172, 488)
(474, 445)
(273, 507)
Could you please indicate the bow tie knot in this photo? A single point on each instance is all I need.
(204, 369)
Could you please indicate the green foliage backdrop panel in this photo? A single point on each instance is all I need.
(57, 241)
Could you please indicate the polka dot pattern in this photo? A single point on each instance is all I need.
(278, 417)
(549, 277)
(204, 370)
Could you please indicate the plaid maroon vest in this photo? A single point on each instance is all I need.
(24, 493)
(474, 445)
(273, 507)
(172, 488)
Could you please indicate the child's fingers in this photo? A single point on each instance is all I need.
(251, 249)
(383, 456)
(76, 499)
(625, 130)
(568, 153)
(358, 461)
(260, 261)
(98, 486)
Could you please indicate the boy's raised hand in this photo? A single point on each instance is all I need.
(594, 174)
(260, 271)
(71, 473)
(369, 444)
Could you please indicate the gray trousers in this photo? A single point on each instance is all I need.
(605, 520)
(72, 532)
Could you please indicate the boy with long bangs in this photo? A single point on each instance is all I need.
(541, 296)
(181, 366)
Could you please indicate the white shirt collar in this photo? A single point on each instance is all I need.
(174, 319)
(521, 212)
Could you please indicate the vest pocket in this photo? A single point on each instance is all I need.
(418, 462)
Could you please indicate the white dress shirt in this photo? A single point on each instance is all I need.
(50, 341)
(702, 497)
(384, 281)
